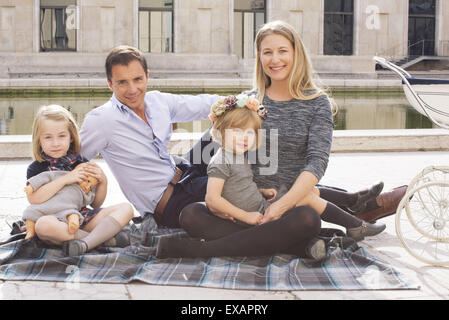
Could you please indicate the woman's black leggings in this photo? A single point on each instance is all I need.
(289, 234)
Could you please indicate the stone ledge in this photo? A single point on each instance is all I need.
(19, 146)
(194, 83)
(390, 140)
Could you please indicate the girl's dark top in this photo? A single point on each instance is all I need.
(303, 132)
(37, 167)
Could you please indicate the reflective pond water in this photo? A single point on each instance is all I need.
(356, 111)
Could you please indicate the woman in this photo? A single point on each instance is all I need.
(301, 112)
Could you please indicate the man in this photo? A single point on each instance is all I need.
(132, 131)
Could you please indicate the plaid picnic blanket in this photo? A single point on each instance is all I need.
(349, 269)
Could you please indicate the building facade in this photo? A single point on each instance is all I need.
(215, 37)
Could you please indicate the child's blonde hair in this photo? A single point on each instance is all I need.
(55, 113)
(241, 118)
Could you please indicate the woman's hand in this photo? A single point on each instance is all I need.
(269, 194)
(253, 218)
(301, 188)
(273, 212)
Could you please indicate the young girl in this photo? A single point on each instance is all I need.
(56, 146)
(231, 191)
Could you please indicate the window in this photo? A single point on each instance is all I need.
(421, 28)
(249, 16)
(58, 25)
(338, 27)
(156, 25)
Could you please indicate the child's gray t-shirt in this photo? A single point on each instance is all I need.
(239, 187)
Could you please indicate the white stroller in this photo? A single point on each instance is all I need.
(422, 217)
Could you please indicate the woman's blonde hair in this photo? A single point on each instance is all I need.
(300, 78)
(55, 113)
(237, 118)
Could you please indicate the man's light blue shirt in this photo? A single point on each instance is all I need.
(140, 163)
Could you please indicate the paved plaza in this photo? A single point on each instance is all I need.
(347, 170)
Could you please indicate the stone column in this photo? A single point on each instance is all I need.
(442, 25)
(202, 26)
(16, 23)
(105, 24)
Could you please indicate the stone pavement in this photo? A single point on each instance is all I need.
(347, 170)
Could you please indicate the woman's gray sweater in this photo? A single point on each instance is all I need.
(297, 138)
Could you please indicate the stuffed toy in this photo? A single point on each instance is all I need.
(65, 204)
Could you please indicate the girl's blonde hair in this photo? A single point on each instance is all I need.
(237, 118)
(300, 78)
(55, 113)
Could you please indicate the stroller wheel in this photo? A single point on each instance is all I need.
(430, 173)
(422, 222)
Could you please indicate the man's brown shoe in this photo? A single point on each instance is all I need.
(388, 201)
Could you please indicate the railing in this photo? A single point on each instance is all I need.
(422, 48)
(415, 50)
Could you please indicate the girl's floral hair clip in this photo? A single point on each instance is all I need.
(233, 102)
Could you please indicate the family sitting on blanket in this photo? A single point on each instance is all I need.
(133, 129)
